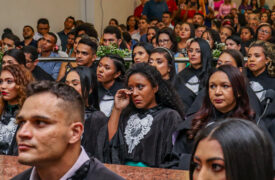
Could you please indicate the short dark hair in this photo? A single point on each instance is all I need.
(72, 32)
(32, 51)
(235, 38)
(71, 98)
(71, 17)
(87, 41)
(167, 12)
(199, 14)
(88, 28)
(53, 35)
(112, 30)
(154, 19)
(249, 29)
(29, 27)
(42, 21)
(17, 54)
(145, 19)
(12, 37)
(115, 20)
(240, 141)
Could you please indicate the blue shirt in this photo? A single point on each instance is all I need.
(51, 67)
(153, 9)
(63, 37)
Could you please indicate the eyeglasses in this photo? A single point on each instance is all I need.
(164, 41)
(264, 31)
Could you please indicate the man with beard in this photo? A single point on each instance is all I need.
(28, 34)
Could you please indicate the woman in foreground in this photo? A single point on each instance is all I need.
(233, 149)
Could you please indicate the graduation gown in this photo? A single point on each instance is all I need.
(187, 84)
(253, 101)
(96, 171)
(143, 136)
(183, 146)
(94, 121)
(106, 97)
(260, 83)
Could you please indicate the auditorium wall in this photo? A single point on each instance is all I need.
(17, 13)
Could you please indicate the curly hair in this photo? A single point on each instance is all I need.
(166, 95)
(242, 108)
(22, 77)
(269, 52)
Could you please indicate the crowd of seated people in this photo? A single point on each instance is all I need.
(161, 111)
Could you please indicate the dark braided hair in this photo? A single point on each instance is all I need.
(166, 95)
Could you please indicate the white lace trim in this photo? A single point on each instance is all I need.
(136, 129)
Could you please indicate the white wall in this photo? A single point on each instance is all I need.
(17, 13)
(101, 11)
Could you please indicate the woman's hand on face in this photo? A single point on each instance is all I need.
(122, 99)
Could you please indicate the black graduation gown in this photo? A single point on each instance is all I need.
(183, 146)
(187, 85)
(39, 74)
(253, 101)
(97, 171)
(8, 145)
(94, 121)
(268, 115)
(260, 83)
(141, 137)
(108, 92)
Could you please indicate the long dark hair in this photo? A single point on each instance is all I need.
(128, 18)
(246, 149)
(206, 58)
(242, 108)
(17, 54)
(148, 47)
(172, 37)
(166, 95)
(236, 55)
(170, 58)
(119, 64)
(88, 82)
(214, 35)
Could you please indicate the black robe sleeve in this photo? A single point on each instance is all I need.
(151, 149)
(94, 121)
